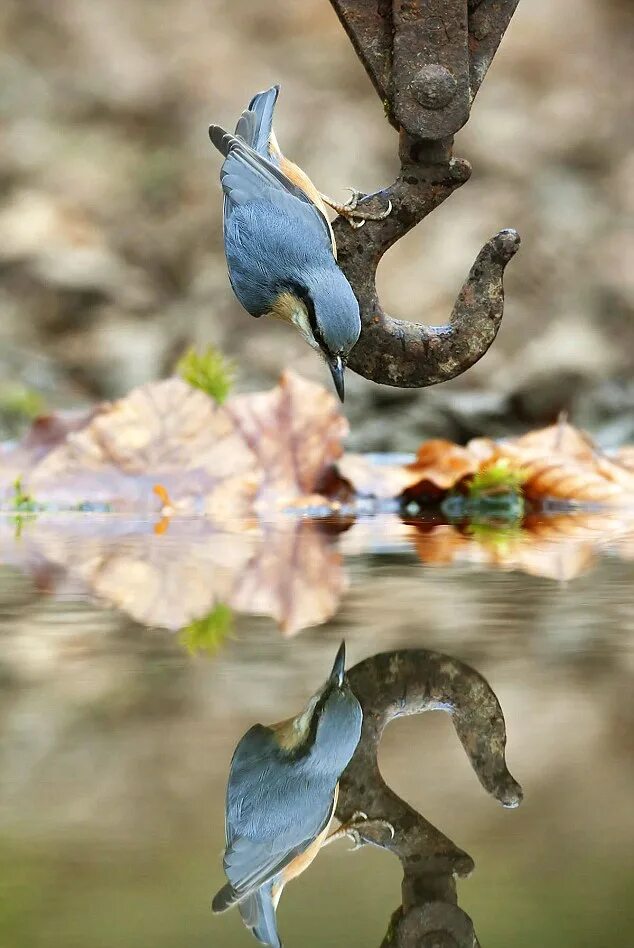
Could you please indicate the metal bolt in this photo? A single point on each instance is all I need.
(434, 86)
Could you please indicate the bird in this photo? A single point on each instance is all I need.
(279, 244)
(281, 798)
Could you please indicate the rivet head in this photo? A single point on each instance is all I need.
(433, 86)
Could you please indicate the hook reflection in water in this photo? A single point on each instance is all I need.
(383, 687)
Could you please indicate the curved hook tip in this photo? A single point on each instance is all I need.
(506, 243)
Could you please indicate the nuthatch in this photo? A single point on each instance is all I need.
(281, 799)
(279, 243)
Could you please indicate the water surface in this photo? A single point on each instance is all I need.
(134, 655)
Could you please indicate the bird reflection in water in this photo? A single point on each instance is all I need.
(288, 781)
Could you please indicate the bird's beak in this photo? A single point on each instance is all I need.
(336, 366)
(339, 668)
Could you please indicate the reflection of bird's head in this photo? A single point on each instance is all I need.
(326, 312)
(327, 731)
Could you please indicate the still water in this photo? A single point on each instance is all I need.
(134, 655)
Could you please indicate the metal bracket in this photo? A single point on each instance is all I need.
(426, 58)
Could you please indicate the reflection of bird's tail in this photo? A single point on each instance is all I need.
(258, 914)
(256, 123)
(225, 899)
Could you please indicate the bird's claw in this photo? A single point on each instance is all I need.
(354, 833)
(353, 213)
(354, 198)
(356, 216)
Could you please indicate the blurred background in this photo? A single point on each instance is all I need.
(117, 725)
(110, 209)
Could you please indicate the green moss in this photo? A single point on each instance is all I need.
(22, 502)
(500, 478)
(496, 533)
(19, 406)
(209, 371)
(208, 634)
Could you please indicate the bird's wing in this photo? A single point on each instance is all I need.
(295, 174)
(273, 814)
(255, 125)
(248, 176)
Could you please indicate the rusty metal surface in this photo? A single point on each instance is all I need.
(407, 682)
(488, 20)
(368, 24)
(430, 67)
(412, 355)
(426, 59)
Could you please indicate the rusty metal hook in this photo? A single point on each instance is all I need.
(426, 62)
(392, 685)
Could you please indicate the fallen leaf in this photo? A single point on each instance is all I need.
(295, 432)
(441, 464)
(291, 571)
(562, 463)
(257, 452)
(369, 478)
(559, 547)
(438, 467)
(558, 439)
(439, 545)
(296, 576)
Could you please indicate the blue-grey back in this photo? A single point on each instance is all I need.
(268, 240)
(273, 797)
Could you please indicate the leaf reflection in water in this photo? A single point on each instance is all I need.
(407, 682)
(291, 569)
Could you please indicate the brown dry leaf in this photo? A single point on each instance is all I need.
(562, 463)
(559, 548)
(371, 479)
(291, 571)
(296, 576)
(440, 545)
(45, 433)
(295, 432)
(527, 553)
(441, 464)
(560, 439)
(163, 432)
(569, 480)
(259, 451)
(438, 467)
(625, 457)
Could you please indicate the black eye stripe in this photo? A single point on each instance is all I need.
(311, 737)
(302, 293)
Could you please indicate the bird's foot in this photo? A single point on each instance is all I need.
(362, 830)
(353, 213)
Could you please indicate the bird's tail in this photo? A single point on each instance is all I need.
(224, 900)
(256, 123)
(258, 914)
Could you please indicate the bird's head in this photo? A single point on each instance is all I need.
(329, 727)
(327, 315)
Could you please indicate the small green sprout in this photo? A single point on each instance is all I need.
(500, 478)
(22, 502)
(22, 506)
(209, 371)
(22, 401)
(208, 633)
(497, 533)
(19, 406)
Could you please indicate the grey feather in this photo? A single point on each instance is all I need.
(256, 123)
(276, 239)
(275, 809)
(258, 914)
